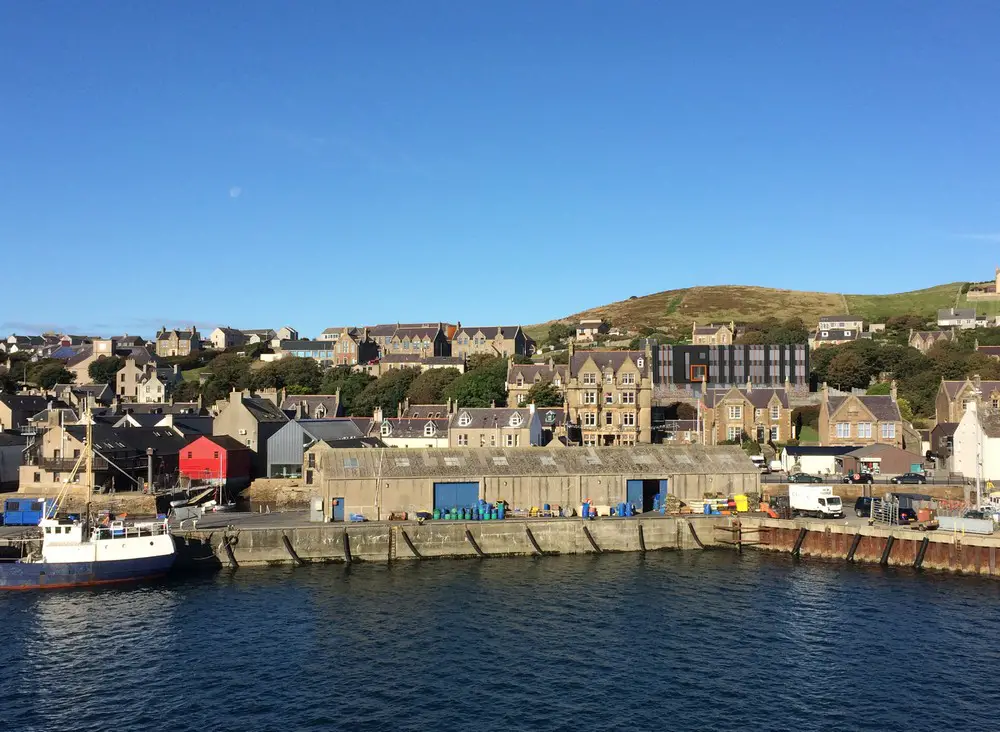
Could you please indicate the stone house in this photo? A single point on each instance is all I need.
(260, 335)
(590, 329)
(425, 340)
(953, 397)
(833, 337)
(495, 427)
(521, 377)
(286, 333)
(610, 394)
(924, 340)
(177, 342)
(311, 406)
(352, 346)
(712, 335)
(223, 338)
(251, 420)
(491, 340)
(841, 322)
(16, 409)
(863, 420)
(762, 415)
(391, 361)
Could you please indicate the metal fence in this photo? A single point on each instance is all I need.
(877, 480)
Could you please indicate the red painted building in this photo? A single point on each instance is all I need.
(214, 457)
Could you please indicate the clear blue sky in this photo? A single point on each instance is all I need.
(326, 163)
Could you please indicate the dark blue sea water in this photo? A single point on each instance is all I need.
(666, 641)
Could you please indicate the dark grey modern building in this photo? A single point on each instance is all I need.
(286, 447)
(769, 366)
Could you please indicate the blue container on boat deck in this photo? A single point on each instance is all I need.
(708, 509)
(500, 511)
(493, 515)
(437, 513)
(546, 507)
(475, 513)
(585, 510)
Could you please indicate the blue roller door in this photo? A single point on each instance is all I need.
(455, 495)
(664, 489)
(634, 494)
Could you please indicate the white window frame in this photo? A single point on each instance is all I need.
(590, 397)
(464, 419)
(429, 429)
(628, 379)
(865, 430)
(733, 433)
(736, 411)
(516, 420)
(509, 439)
(588, 419)
(889, 430)
(589, 378)
(463, 440)
(843, 430)
(386, 429)
(775, 413)
(628, 419)
(609, 397)
(628, 397)
(775, 433)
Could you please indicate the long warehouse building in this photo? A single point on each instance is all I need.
(377, 482)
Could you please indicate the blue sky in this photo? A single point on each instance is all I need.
(327, 163)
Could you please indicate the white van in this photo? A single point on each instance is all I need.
(814, 500)
(760, 462)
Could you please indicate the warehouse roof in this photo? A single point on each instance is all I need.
(647, 460)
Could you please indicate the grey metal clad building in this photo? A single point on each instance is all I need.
(722, 366)
(378, 482)
(286, 447)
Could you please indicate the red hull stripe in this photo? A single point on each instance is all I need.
(90, 583)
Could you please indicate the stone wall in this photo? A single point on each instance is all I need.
(280, 492)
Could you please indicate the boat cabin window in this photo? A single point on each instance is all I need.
(48, 529)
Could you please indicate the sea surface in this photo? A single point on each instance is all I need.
(665, 641)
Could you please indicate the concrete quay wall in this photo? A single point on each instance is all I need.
(891, 546)
(391, 541)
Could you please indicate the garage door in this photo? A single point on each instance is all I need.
(456, 495)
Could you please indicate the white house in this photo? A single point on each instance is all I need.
(813, 459)
(977, 434)
(963, 318)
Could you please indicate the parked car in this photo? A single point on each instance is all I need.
(907, 515)
(910, 478)
(863, 507)
(859, 478)
(804, 478)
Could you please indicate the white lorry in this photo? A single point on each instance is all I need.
(814, 500)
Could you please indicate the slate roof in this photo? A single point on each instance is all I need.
(175, 408)
(425, 331)
(82, 354)
(837, 334)
(230, 444)
(490, 331)
(164, 440)
(426, 411)
(330, 429)
(306, 345)
(484, 418)
(265, 333)
(127, 341)
(760, 398)
(944, 429)
(381, 331)
(551, 417)
(840, 318)
(140, 420)
(416, 358)
(604, 359)
(956, 314)
(264, 410)
(65, 353)
(414, 428)
(310, 402)
(465, 462)
(953, 388)
(24, 403)
(353, 443)
(364, 424)
(12, 438)
(708, 329)
(528, 372)
(990, 420)
(989, 350)
(182, 335)
(68, 415)
(883, 408)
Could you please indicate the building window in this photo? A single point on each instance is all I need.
(609, 377)
(775, 413)
(516, 420)
(482, 440)
(735, 411)
(590, 397)
(889, 430)
(557, 381)
(628, 379)
(464, 420)
(609, 418)
(864, 429)
(628, 419)
(311, 460)
(775, 435)
(386, 429)
(189, 454)
(509, 440)
(429, 429)
(628, 397)
(521, 399)
(995, 403)
(609, 398)
(843, 429)
(699, 372)
(463, 440)
(309, 477)
(733, 433)
(520, 380)
(493, 440)
(589, 440)
(590, 419)
(38, 477)
(590, 378)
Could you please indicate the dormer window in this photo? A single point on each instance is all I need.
(429, 429)
(609, 376)
(825, 333)
(516, 419)
(464, 420)
(847, 333)
(386, 429)
(520, 380)
(557, 381)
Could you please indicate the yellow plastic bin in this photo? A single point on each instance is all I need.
(742, 505)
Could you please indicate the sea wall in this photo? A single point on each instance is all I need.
(891, 546)
(391, 541)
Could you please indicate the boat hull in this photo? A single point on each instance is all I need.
(56, 575)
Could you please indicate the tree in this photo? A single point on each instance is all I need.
(519, 359)
(349, 383)
(882, 388)
(543, 394)
(105, 369)
(186, 391)
(386, 392)
(50, 374)
(847, 371)
(560, 357)
(482, 386)
(560, 332)
(429, 387)
(905, 411)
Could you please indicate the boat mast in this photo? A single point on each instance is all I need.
(89, 447)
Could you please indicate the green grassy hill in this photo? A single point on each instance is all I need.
(677, 309)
